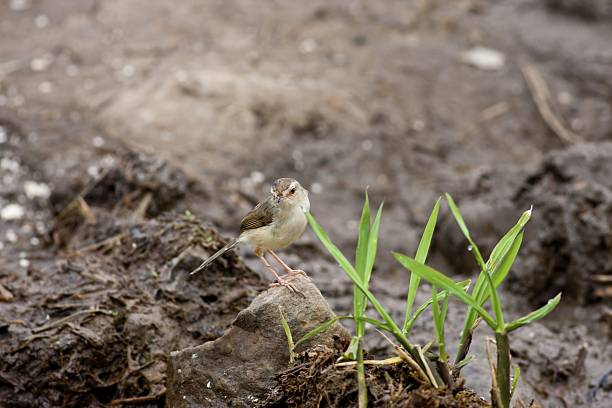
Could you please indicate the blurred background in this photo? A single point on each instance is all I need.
(504, 104)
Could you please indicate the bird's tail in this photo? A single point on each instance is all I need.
(214, 256)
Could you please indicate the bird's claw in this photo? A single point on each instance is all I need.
(284, 282)
(294, 273)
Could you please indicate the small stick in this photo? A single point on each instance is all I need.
(70, 317)
(601, 278)
(139, 400)
(413, 364)
(541, 96)
(386, 361)
(141, 210)
(427, 368)
(99, 244)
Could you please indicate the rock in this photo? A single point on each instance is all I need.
(484, 58)
(238, 368)
(12, 212)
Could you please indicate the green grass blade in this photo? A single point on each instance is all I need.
(507, 255)
(464, 229)
(373, 244)
(438, 323)
(502, 247)
(319, 329)
(335, 252)
(364, 234)
(361, 259)
(352, 350)
(495, 302)
(287, 331)
(535, 315)
(463, 363)
(465, 284)
(515, 379)
(328, 323)
(445, 300)
(352, 274)
(438, 279)
(421, 256)
(493, 272)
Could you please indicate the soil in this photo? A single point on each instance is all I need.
(315, 382)
(167, 119)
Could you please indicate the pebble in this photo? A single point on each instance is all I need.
(484, 58)
(12, 212)
(36, 190)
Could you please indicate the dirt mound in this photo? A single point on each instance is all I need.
(95, 314)
(572, 194)
(568, 241)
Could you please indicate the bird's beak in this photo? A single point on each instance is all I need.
(279, 198)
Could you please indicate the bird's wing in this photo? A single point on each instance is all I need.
(258, 217)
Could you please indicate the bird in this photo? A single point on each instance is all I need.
(274, 223)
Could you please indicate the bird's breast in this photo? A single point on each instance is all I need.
(290, 229)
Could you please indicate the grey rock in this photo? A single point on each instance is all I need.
(238, 369)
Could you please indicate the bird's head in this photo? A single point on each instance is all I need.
(289, 192)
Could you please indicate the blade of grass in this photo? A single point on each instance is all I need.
(362, 264)
(352, 274)
(459, 219)
(287, 331)
(535, 315)
(327, 324)
(482, 295)
(421, 256)
(500, 262)
(464, 284)
(438, 279)
(352, 350)
(515, 379)
(438, 323)
(361, 258)
(484, 269)
(373, 243)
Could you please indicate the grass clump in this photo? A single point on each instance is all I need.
(435, 370)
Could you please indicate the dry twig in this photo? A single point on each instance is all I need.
(139, 400)
(541, 96)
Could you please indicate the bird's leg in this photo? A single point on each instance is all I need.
(291, 273)
(280, 280)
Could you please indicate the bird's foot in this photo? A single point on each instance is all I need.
(280, 281)
(294, 273)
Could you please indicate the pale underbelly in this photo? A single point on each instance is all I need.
(276, 237)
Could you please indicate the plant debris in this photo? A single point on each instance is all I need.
(316, 381)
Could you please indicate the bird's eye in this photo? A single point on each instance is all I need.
(292, 191)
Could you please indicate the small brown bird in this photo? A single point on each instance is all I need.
(273, 224)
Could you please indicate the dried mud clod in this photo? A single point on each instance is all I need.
(98, 326)
(572, 195)
(315, 381)
(129, 185)
(91, 320)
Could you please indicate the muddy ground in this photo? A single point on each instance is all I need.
(342, 95)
